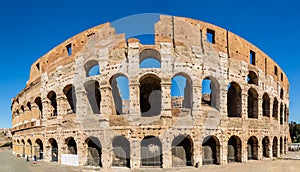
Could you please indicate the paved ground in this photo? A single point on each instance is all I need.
(10, 163)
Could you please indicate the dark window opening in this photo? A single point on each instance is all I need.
(72, 146)
(252, 78)
(252, 103)
(38, 66)
(281, 114)
(94, 152)
(54, 150)
(151, 151)
(69, 92)
(281, 93)
(252, 57)
(150, 96)
(275, 146)
(234, 153)
(38, 102)
(266, 105)
(281, 76)
(266, 66)
(275, 109)
(182, 150)
(275, 70)
(52, 97)
(211, 151)
(252, 148)
(69, 49)
(234, 100)
(39, 149)
(265, 144)
(93, 95)
(29, 106)
(210, 35)
(121, 150)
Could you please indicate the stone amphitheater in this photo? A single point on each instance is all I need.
(233, 105)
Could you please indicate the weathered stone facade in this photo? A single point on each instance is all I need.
(65, 109)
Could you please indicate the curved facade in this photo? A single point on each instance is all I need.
(232, 104)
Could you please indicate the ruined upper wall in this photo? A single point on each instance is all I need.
(190, 32)
(176, 30)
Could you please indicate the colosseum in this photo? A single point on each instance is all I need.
(95, 100)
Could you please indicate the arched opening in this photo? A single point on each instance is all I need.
(38, 102)
(252, 103)
(39, 149)
(275, 109)
(69, 92)
(29, 145)
(93, 95)
(252, 78)
(252, 148)
(281, 93)
(151, 151)
(94, 152)
(266, 105)
(265, 146)
(121, 150)
(150, 58)
(29, 106)
(210, 150)
(285, 145)
(54, 150)
(234, 100)
(92, 68)
(275, 146)
(281, 146)
(234, 153)
(182, 151)
(120, 92)
(281, 113)
(23, 148)
(52, 98)
(150, 96)
(181, 91)
(210, 92)
(72, 146)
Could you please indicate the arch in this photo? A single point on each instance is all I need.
(252, 78)
(266, 105)
(150, 95)
(151, 151)
(275, 108)
(120, 92)
(72, 146)
(281, 93)
(252, 103)
(275, 147)
(54, 149)
(265, 146)
(234, 100)
(281, 114)
(182, 91)
(234, 153)
(52, 98)
(285, 145)
(28, 106)
(94, 95)
(211, 150)
(69, 92)
(39, 148)
(30, 147)
(94, 151)
(92, 68)
(22, 108)
(182, 151)
(211, 92)
(121, 150)
(38, 102)
(252, 148)
(150, 58)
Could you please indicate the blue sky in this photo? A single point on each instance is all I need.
(31, 28)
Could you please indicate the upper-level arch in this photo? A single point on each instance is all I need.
(149, 58)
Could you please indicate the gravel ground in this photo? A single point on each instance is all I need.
(10, 163)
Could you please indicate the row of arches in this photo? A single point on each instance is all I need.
(151, 150)
(150, 90)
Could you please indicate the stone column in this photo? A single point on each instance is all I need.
(166, 113)
(135, 153)
(134, 90)
(106, 101)
(224, 150)
(61, 106)
(166, 153)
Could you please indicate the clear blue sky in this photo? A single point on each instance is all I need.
(31, 28)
